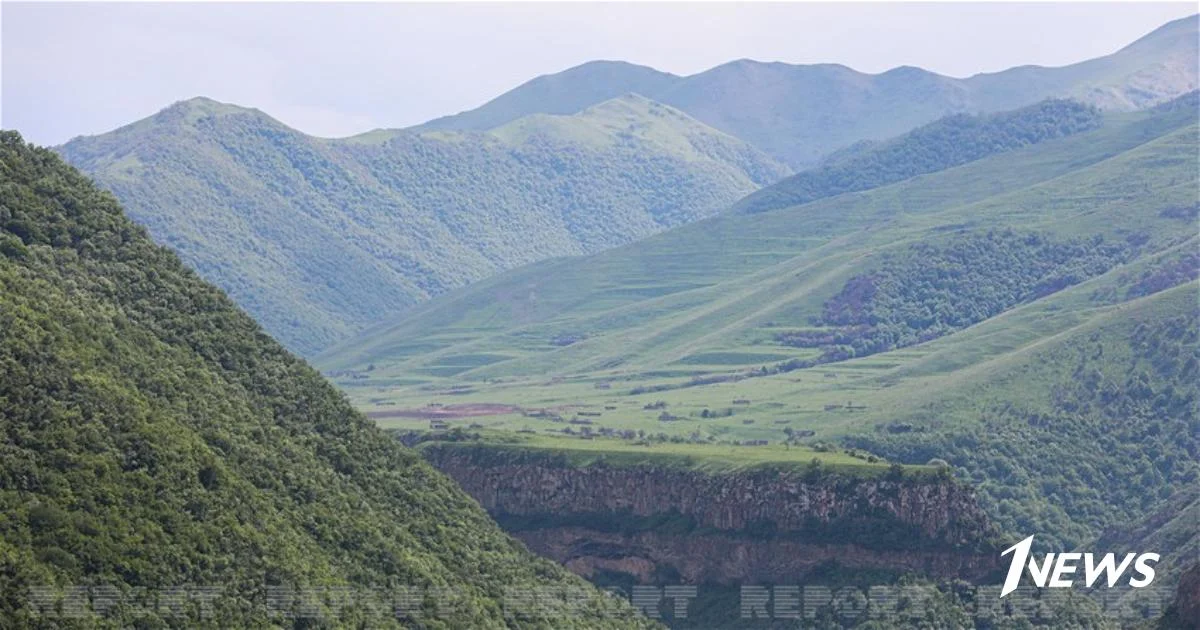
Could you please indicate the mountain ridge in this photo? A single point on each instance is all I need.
(631, 78)
(319, 237)
(944, 143)
(857, 106)
(831, 216)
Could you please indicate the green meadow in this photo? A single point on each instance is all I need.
(995, 315)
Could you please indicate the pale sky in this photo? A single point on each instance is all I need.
(338, 69)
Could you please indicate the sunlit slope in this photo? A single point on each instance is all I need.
(318, 238)
(1070, 414)
(729, 284)
(1030, 318)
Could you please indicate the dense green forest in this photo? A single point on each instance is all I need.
(801, 113)
(935, 287)
(319, 238)
(948, 142)
(155, 437)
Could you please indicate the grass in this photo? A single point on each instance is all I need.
(726, 284)
(1049, 409)
(890, 385)
(705, 301)
(733, 358)
(708, 458)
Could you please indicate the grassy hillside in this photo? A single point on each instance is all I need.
(709, 458)
(911, 321)
(318, 238)
(732, 282)
(154, 437)
(798, 113)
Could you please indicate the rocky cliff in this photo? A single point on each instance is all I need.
(759, 525)
(1186, 609)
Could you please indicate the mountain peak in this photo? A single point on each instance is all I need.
(627, 100)
(210, 106)
(632, 111)
(187, 113)
(563, 93)
(900, 71)
(633, 117)
(766, 68)
(609, 65)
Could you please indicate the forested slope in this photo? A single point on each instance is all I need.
(1092, 429)
(318, 238)
(154, 436)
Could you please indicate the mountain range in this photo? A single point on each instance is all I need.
(995, 314)
(986, 285)
(318, 238)
(800, 113)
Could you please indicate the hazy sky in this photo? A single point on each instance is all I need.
(338, 69)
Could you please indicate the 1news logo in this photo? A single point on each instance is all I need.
(1059, 570)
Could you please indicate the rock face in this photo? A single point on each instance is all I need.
(1186, 609)
(726, 559)
(761, 525)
